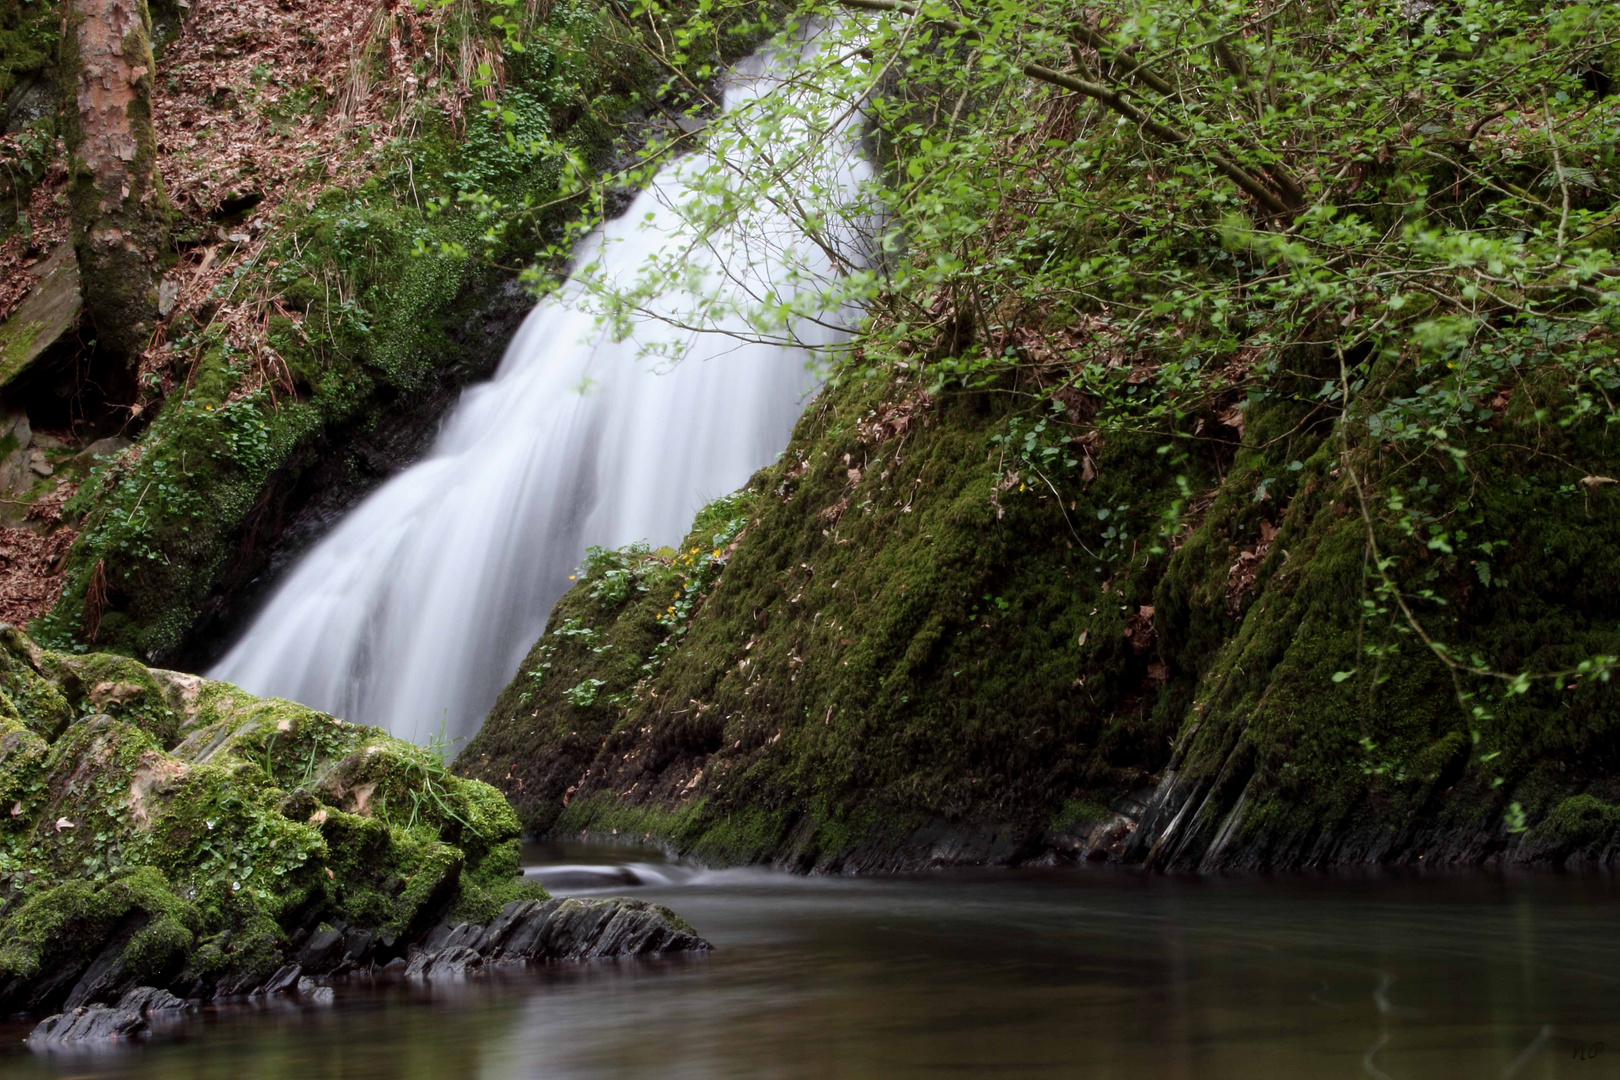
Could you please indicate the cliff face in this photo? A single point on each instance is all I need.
(888, 651)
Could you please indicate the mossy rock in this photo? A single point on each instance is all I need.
(133, 929)
(908, 657)
(893, 651)
(181, 832)
(1580, 830)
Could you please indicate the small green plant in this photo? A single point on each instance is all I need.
(584, 694)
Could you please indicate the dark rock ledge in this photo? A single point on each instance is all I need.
(525, 930)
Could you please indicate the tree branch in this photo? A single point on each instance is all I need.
(1113, 99)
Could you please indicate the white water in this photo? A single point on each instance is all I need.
(419, 606)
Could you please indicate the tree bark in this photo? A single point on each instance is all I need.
(120, 212)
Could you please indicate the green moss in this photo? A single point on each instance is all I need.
(1345, 737)
(261, 818)
(28, 37)
(33, 699)
(893, 640)
(909, 651)
(22, 771)
(1078, 813)
(53, 938)
(491, 883)
(1581, 827)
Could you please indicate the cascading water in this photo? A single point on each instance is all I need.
(421, 603)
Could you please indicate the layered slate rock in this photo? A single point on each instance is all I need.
(87, 1025)
(555, 930)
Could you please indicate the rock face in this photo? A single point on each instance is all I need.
(165, 832)
(87, 1024)
(51, 310)
(901, 659)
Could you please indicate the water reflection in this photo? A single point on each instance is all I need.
(1061, 973)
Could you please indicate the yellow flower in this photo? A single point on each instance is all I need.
(571, 577)
(716, 553)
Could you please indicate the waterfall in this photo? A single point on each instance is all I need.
(421, 603)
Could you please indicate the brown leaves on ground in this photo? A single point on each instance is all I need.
(1140, 630)
(896, 419)
(274, 100)
(31, 563)
(1240, 576)
(271, 100)
(25, 249)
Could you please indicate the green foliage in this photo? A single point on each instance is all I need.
(1298, 325)
(28, 36)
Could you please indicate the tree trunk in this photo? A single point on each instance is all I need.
(120, 212)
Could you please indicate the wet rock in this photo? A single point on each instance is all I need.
(555, 930)
(322, 949)
(146, 1000)
(453, 961)
(49, 311)
(283, 980)
(314, 993)
(87, 1024)
(161, 763)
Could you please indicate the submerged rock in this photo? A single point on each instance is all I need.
(90, 1024)
(166, 837)
(555, 930)
(87, 1024)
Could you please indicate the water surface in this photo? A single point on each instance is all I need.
(1082, 972)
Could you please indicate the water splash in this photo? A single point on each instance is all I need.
(421, 603)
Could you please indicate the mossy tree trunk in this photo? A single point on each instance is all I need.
(120, 212)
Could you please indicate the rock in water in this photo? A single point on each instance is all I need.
(87, 1024)
(146, 1000)
(555, 930)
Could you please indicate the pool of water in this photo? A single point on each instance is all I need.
(1081, 972)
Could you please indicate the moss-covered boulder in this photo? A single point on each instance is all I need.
(163, 830)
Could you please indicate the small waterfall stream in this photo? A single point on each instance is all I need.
(418, 607)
